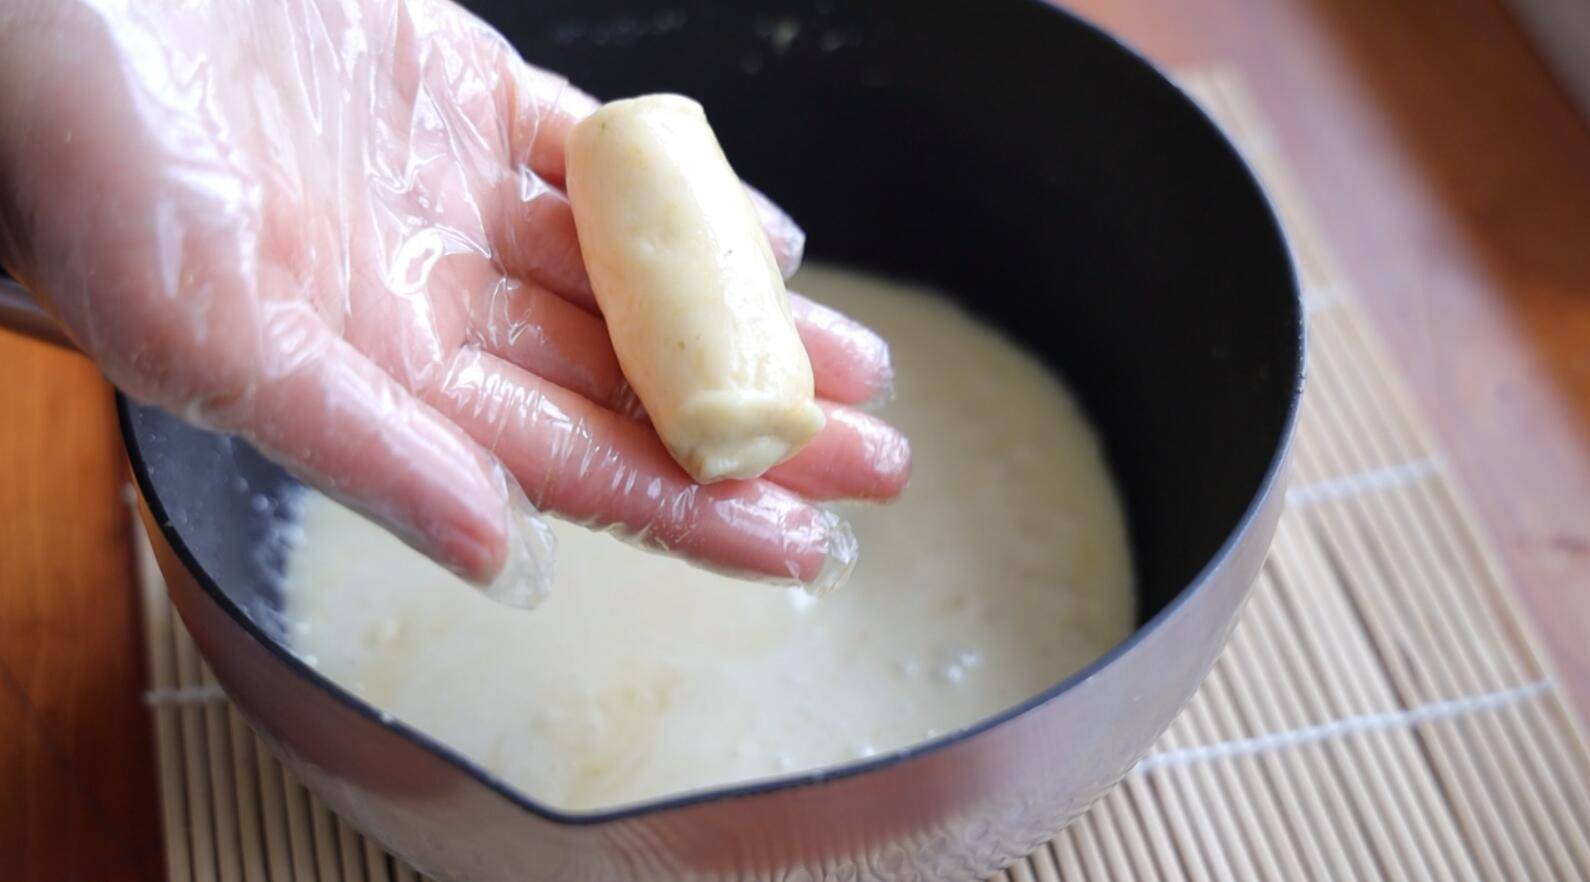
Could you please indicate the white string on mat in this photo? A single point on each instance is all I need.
(1359, 483)
(1403, 719)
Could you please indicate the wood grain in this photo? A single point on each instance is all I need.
(1450, 172)
(76, 763)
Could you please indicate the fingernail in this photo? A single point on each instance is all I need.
(839, 557)
(786, 236)
(525, 579)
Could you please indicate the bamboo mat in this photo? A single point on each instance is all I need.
(1382, 711)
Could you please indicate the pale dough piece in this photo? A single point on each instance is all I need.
(687, 282)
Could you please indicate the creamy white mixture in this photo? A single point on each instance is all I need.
(1002, 569)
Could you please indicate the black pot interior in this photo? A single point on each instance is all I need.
(1010, 156)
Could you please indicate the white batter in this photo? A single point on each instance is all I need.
(1002, 569)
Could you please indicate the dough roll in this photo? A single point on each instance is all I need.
(688, 285)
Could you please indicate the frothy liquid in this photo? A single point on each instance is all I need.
(1003, 569)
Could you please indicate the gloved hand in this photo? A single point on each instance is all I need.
(338, 230)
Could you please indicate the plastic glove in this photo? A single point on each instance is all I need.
(337, 229)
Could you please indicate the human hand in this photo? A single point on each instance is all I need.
(338, 230)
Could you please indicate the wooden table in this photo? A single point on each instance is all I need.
(1449, 171)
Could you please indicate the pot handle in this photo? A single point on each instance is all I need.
(21, 313)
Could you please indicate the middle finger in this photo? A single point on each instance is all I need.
(854, 456)
(540, 331)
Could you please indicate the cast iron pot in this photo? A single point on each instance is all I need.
(1002, 151)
